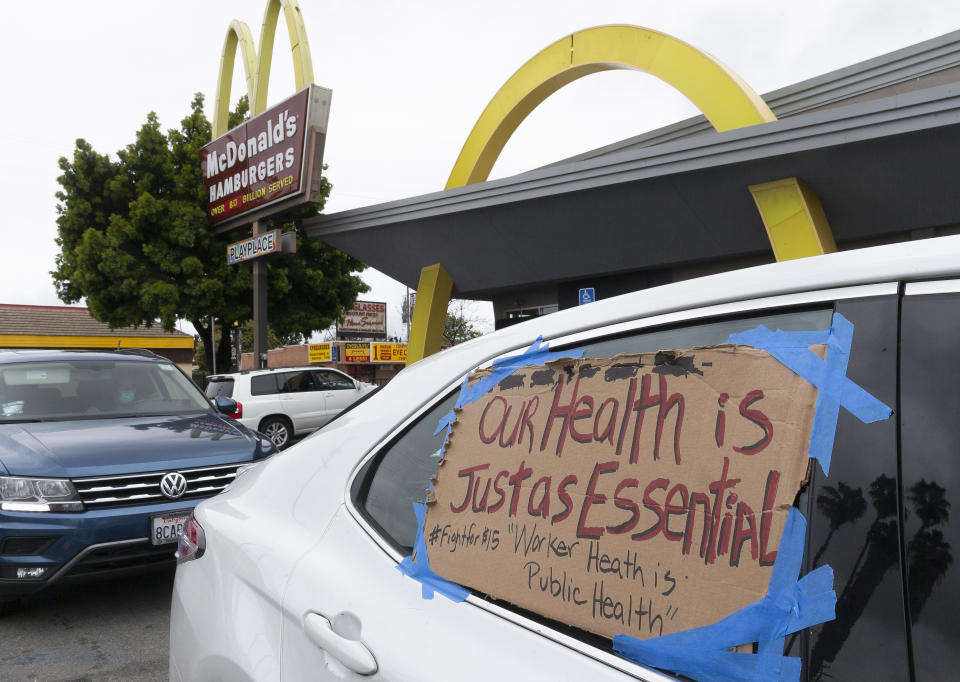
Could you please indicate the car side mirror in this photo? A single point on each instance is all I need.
(225, 405)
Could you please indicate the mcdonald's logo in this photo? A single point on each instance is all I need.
(257, 63)
(275, 159)
(795, 222)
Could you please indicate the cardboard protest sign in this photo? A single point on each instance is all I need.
(640, 495)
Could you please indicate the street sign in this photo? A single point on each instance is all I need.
(587, 295)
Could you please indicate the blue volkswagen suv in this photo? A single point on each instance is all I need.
(102, 457)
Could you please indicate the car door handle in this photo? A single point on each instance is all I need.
(352, 653)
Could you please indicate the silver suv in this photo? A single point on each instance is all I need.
(286, 402)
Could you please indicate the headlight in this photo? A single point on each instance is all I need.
(38, 495)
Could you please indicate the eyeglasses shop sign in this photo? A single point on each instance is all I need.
(254, 247)
(365, 317)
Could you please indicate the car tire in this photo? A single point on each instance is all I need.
(277, 429)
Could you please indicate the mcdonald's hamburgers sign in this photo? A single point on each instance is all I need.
(271, 162)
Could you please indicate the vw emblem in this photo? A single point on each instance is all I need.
(173, 485)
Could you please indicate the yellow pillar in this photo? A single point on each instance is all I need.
(794, 219)
(429, 313)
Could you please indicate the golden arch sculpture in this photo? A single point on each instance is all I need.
(257, 63)
(792, 215)
(720, 94)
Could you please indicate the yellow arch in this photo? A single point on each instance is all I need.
(723, 97)
(256, 64)
(791, 213)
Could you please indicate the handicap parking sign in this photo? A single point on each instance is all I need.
(587, 296)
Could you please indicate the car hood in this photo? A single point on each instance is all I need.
(92, 447)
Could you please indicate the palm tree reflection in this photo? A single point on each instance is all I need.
(841, 505)
(928, 554)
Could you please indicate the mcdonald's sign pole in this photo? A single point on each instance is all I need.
(269, 163)
(259, 306)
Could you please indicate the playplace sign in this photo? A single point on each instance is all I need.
(254, 247)
(273, 159)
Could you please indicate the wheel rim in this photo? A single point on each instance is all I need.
(277, 432)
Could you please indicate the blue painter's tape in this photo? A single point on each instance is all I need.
(446, 421)
(789, 605)
(829, 375)
(420, 571)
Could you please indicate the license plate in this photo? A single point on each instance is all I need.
(164, 528)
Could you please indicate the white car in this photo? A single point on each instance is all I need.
(287, 402)
(293, 574)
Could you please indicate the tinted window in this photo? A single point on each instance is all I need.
(264, 384)
(296, 382)
(218, 387)
(333, 381)
(930, 413)
(706, 334)
(853, 520)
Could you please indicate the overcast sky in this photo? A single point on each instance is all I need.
(409, 80)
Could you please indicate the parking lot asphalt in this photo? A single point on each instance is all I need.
(114, 630)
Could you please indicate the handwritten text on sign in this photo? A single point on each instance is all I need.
(643, 494)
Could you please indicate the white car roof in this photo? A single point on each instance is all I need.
(904, 261)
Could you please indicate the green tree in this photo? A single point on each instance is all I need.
(459, 325)
(134, 241)
(201, 347)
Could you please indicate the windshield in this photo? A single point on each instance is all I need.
(91, 389)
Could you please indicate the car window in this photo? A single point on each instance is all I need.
(170, 384)
(296, 382)
(264, 384)
(90, 389)
(220, 386)
(705, 334)
(333, 381)
(930, 404)
(853, 522)
(401, 474)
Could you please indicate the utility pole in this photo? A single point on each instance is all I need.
(213, 345)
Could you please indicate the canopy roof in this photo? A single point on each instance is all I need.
(870, 140)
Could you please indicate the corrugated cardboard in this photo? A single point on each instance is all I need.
(643, 494)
